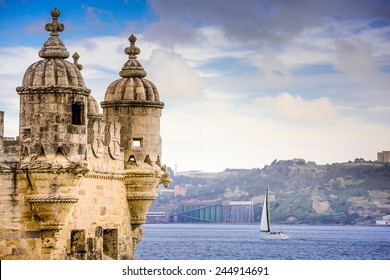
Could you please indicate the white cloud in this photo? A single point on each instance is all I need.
(214, 135)
(294, 108)
(16, 60)
(174, 78)
(104, 53)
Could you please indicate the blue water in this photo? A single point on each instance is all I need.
(243, 242)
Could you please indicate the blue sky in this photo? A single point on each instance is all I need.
(244, 82)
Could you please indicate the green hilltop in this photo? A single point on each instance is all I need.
(301, 192)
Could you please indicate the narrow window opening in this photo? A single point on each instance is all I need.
(78, 113)
(27, 133)
(137, 142)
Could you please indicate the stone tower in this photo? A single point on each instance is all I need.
(53, 101)
(75, 183)
(132, 107)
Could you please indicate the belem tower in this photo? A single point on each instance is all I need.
(77, 183)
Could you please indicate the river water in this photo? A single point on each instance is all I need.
(243, 242)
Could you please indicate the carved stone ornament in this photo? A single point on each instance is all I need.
(76, 57)
(132, 67)
(115, 137)
(137, 234)
(98, 138)
(54, 47)
(139, 203)
(51, 209)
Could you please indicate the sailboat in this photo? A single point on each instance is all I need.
(265, 222)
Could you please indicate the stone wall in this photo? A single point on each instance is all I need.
(61, 210)
(101, 207)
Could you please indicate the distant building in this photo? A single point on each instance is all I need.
(383, 156)
(384, 222)
(156, 217)
(215, 212)
(179, 190)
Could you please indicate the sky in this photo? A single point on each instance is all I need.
(243, 82)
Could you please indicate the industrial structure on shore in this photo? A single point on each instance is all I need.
(205, 212)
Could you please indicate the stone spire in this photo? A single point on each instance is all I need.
(132, 67)
(54, 47)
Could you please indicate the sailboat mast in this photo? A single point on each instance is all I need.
(268, 211)
(264, 223)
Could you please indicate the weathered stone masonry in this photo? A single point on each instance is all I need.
(75, 183)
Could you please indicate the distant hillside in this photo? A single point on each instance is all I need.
(302, 192)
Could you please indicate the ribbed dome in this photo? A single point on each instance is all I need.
(93, 107)
(132, 88)
(53, 72)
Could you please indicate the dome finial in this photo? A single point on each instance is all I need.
(76, 57)
(54, 47)
(132, 51)
(54, 26)
(132, 67)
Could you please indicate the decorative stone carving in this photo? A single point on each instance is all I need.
(115, 138)
(76, 57)
(139, 203)
(138, 233)
(141, 190)
(165, 179)
(98, 138)
(51, 209)
(132, 67)
(55, 26)
(54, 47)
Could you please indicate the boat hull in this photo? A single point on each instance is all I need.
(275, 236)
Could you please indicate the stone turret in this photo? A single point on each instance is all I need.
(134, 102)
(132, 108)
(53, 102)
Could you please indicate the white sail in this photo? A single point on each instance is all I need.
(264, 223)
